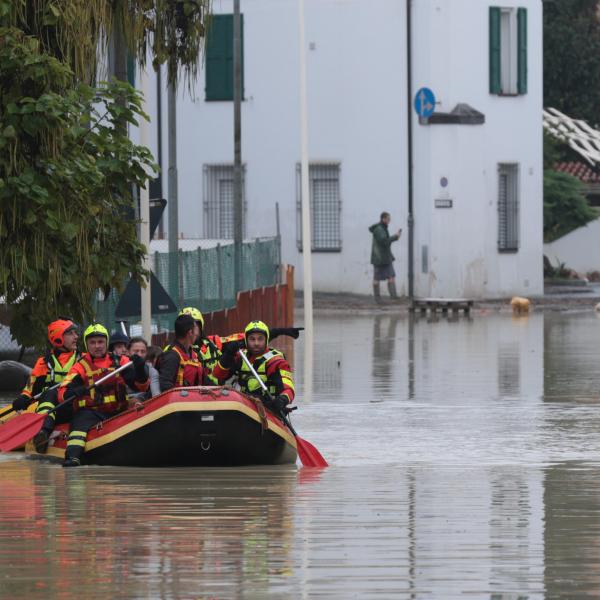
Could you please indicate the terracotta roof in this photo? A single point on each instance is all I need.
(581, 170)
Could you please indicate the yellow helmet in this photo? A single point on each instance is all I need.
(257, 327)
(93, 330)
(194, 313)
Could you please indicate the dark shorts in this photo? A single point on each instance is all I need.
(383, 272)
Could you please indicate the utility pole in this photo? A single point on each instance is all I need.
(306, 235)
(173, 197)
(238, 207)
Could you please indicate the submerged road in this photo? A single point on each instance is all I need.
(465, 462)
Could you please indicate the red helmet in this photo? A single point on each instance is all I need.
(57, 330)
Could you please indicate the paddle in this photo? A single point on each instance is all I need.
(22, 428)
(36, 397)
(309, 455)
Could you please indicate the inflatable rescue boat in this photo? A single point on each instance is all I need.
(185, 427)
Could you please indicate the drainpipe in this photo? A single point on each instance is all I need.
(409, 95)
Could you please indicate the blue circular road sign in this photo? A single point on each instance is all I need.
(424, 102)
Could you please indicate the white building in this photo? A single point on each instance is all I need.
(476, 188)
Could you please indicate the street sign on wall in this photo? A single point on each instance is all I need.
(424, 102)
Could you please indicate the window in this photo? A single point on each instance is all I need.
(325, 207)
(508, 208)
(219, 218)
(219, 58)
(508, 51)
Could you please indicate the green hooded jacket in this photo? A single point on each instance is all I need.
(381, 252)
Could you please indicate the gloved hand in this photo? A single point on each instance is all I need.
(233, 346)
(277, 404)
(230, 349)
(139, 366)
(22, 402)
(293, 332)
(77, 391)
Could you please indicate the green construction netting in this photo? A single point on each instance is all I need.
(206, 279)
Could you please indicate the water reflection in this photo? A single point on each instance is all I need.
(384, 344)
(159, 532)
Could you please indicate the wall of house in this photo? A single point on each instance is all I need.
(578, 250)
(451, 57)
(357, 105)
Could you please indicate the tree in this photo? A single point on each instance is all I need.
(572, 58)
(67, 167)
(565, 205)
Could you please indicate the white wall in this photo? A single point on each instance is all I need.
(578, 250)
(357, 100)
(450, 56)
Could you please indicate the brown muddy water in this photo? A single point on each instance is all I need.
(465, 463)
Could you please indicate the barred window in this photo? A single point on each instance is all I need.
(219, 218)
(508, 208)
(325, 207)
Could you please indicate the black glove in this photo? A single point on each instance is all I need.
(22, 402)
(277, 404)
(139, 366)
(293, 332)
(233, 347)
(230, 349)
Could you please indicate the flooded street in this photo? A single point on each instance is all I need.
(465, 462)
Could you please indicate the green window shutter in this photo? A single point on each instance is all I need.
(522, 50)
(495, 80)
(219, 58)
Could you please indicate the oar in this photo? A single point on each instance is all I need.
(36, 397)
(22, 428)
(309, 455)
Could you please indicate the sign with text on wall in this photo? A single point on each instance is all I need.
(443, 202)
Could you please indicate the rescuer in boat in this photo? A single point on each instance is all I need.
(208, 349)
(119, 344)
(91, 406)
(50, 369)
(269, 363)
(179, 365)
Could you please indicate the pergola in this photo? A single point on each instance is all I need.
(585, 140)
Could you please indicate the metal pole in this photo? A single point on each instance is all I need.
(146, 307)
(306, 235)
(411, 221)
(173, 199)
(237, 145)
(161, 175)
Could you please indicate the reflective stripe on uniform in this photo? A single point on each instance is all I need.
(77, 438)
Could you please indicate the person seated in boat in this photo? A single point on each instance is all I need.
(269, 363)
(90, 406)
(139, 347)
(49, 370)
(119, 344)
(179, 365)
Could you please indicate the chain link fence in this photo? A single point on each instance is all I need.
(205, 280)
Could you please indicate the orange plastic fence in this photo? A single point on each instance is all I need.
(274, 305)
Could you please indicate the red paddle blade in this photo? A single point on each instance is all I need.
(309, 455)
(20, 430)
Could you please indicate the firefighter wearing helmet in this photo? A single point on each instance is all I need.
(92, 405)
(52, 367)
(270, 365)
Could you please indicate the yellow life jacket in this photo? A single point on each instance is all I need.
(246, 378)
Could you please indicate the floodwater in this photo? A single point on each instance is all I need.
(465, 463)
